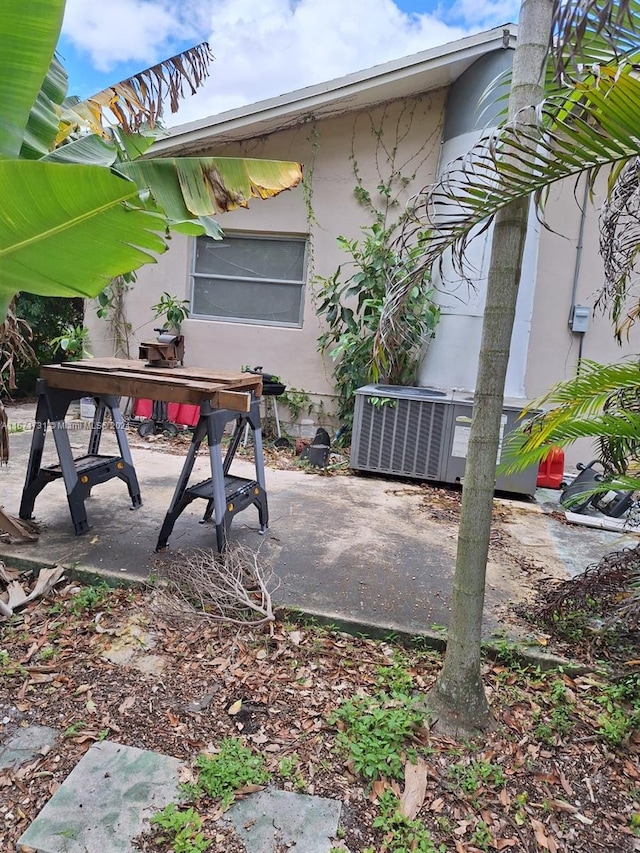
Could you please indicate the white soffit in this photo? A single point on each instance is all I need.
(422, 72)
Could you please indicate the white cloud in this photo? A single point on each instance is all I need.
(132, 30)
(484, 13)
(264, 48)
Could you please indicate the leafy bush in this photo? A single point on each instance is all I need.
(352, 304)
(375, 732)
(48, 317)
(184, 829)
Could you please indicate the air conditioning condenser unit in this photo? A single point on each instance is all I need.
(423, 433)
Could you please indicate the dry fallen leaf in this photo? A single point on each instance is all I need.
(234, 708)
(126, 704)
(547, 842)
(415, 788)
(186, 775)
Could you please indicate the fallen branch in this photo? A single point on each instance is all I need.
(229, 587)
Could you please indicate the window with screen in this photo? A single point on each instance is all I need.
(250, 279)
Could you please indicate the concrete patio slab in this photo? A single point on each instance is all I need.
(105, 801)
(25, 745)
(113, 791)
(359, 550)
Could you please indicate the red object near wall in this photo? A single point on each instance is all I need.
(182, 414)
(143, 409)
(551, 469)
(188, 415)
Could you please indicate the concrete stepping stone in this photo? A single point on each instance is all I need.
(105, 801)
(299, 821)
(109, 797)
(25, 745)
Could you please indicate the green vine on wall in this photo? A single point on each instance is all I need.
(112, 308)
(352, 299)
(307, 195)
(394, 173)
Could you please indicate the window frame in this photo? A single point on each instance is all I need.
(252, 235)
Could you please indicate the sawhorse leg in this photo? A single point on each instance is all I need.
(181, 498)
(244, 422)
(128, 472)
(34, 484)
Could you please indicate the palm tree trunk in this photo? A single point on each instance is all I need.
(459, 695)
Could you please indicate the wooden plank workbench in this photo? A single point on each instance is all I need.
(132, 378)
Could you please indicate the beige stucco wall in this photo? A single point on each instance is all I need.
(325, 149)
(553, 351)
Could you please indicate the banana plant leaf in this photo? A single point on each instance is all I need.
(70, 222)
(204, 186)
(140, 99)
(43, 125)
(28, 39)
(67, 230)
(89, 150)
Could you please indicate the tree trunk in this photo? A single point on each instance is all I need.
(459, 693)
(5, 301)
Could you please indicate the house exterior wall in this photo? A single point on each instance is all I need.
(327, 208)
(553, 350)
(324, 210)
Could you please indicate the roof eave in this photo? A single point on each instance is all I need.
(431, 69)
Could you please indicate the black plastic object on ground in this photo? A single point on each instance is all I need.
(576, 497)
(317, 453)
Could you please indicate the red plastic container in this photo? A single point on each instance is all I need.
(182, 414)
(551, 469)
(188, 415)
(143, 409)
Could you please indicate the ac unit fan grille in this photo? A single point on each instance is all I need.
(402, 437)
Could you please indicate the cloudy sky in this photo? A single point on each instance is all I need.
(262, 48)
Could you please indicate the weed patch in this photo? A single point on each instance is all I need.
(223, 773)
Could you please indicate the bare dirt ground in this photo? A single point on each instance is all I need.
(553, 774)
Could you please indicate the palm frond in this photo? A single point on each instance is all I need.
(586, 30)
(619, 247)
(602, 402)
(139, 100)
